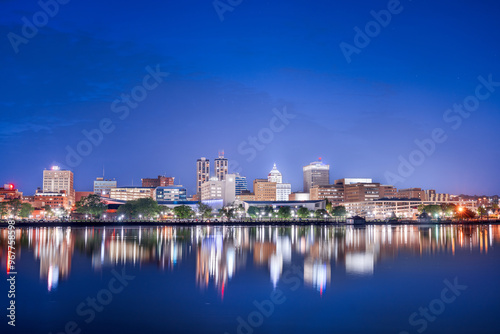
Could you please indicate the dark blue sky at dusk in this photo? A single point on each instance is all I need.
(228, 78)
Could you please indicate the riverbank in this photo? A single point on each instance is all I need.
(246, 222)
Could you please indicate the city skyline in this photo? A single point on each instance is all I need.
(286, 92)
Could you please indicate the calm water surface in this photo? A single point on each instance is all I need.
(375, 279)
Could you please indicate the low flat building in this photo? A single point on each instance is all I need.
(103, 187)
(81, 194)
(310, 205)
(334, 193)
(160, 181)
(170, 193)
(132, 193)
(353, 180)
(411, 193)
(297, 196)
(360, 192)
(403, 208)
(55, 200)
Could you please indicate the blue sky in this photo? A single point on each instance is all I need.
(225, 78)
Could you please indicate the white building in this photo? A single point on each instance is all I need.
(55, 180)
(283, 190)
(132, 193)
(275, 175)
(215, 189)
(103, 187)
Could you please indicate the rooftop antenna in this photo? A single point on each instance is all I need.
(103, 171)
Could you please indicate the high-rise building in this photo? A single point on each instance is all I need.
(275, 175)
(55, 180)
(202, 173)
(316, 174)
(103, 187)
(132, 193)
(160, 181)
(264, 190)
(240, 183)
(221, 166)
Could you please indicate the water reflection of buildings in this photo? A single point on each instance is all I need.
(222, 252)
(54, 248)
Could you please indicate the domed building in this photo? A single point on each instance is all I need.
(275, 175)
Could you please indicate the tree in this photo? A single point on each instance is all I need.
(253, 211)
(448, 209)
(91, 205)
(26, 210)
(433, 210)
(183, 211)
(481, 211)
(303, 212)
(147, 207)
(268, 210)
(227, 212)
(285, 212)
(4, 209)
(328, 205)
(339, 211)
(15, 207)
(321, 213)
(48, 211)
(140, 208)
(205, 210)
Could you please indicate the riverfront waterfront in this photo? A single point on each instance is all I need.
(264, 279)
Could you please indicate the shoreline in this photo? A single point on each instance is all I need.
(130, 223)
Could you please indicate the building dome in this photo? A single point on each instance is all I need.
(274, 175)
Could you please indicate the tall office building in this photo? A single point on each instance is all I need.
(56, 180)
(240, 183)
(316, 174)
(221, 166)
(275, 175)
(103, 187)
(202, 173)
